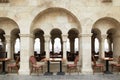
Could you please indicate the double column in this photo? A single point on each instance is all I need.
(64, 37)
(47, 45)
(85, 51)
(102, 47)
(25, 51)
(8, 46)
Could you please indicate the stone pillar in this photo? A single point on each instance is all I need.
(64, 37)
(25, 52)
(85, 49)
(8, 47)
(116, 46)
(102, 48)
(32, 41)
(80, 51)
(47, 45)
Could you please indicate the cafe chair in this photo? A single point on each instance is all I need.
(14, 65)
(35, 67)
(97, 65)
(116, 65)
(73, 66)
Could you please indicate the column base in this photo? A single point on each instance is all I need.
(87, 71)
(24, 72)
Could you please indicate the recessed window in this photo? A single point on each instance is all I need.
(4, 1)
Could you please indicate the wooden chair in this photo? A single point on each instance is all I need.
(35, 67)
(116, 65)
(12, 66)
(97, 65)
(74, 66)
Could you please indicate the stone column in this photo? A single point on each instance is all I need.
(85, 49)
(116, 46)
(32, 41)
(102, 48)
(8, 47)
(25, 52)
(47, 46)
(64, 37)
(80, 51)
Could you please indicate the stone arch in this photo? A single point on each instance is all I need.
(55, 18)
(106, 23)
(7, 24)
(109, 27)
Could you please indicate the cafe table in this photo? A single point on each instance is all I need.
(54, 60)
(107, 59)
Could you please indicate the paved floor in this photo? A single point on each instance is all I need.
(96, 76)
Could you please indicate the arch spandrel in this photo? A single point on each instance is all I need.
(106, 23)
(55, 18)
(7, 25)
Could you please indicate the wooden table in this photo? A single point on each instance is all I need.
(3, 60)
(54, 60)
(107, 59)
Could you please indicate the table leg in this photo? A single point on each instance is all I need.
(107, 68)
(60, 73)
(48, 69)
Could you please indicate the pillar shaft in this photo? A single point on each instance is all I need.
(8, 47)
(47, 46)
(102, 48)
(64, 47)
(85, 46)
(25, 52)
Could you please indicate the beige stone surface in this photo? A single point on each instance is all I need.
(26, 16)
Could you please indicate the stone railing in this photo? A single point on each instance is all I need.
(4, 1)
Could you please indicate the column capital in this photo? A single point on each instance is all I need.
(64, 37)
(85, 35)
(7, 36)
(47, 37)
(104, 36)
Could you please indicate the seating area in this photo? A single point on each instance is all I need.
(116, 65)
(14, 65)
(34, 66)
(96, 65)
(69, 68)
(74, 66)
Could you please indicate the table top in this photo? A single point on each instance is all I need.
(54, 59)
(107, 58)
(4, 59)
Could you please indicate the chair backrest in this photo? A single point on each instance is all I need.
(17, 60)
(76, 60)
(33, 60)
(94, 60)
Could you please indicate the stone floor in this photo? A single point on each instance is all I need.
(96, 76)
